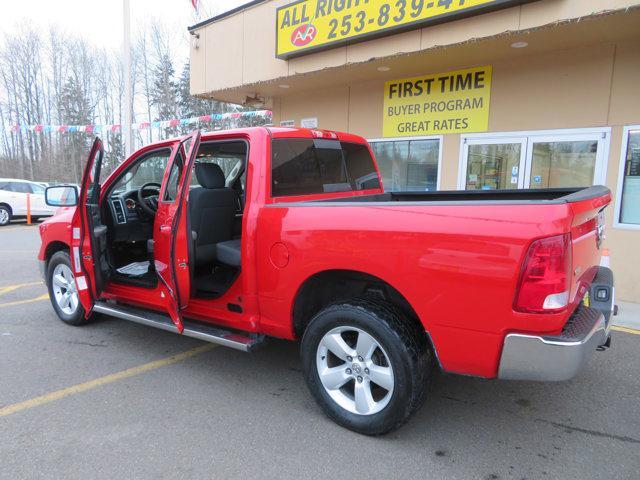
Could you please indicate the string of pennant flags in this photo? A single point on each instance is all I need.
(116, 128)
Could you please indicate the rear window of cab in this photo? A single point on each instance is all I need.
(303, 166)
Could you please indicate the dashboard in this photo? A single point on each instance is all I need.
(130, 221)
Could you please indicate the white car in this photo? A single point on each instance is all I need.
(13, 200)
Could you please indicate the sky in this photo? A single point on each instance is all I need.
(101, 21)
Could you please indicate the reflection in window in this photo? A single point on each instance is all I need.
(493, 166)
(563, 164)
(630, 205)
(408, 165)
(149, 169)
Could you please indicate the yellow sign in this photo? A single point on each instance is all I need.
(451, 102)
(310, 25)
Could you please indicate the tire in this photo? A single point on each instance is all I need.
(401, 359)
(5, 215)
(71, 313)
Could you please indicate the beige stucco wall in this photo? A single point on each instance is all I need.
(575, 88)
(239, 50)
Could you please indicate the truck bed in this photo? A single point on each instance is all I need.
(552, 196)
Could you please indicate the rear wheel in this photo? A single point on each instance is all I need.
(365, 365)
(5, 215)
(63, 291)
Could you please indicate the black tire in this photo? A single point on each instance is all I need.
(5, 215)
(405, 345)
(78, 316)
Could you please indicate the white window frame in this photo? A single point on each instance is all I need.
(620, 183)
(490, 140)
(527, 139)
(427, 137)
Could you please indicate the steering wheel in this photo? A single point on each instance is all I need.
(149, 204)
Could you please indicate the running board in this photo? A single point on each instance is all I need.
(208, 333)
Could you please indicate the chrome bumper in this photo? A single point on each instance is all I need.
(554, 358)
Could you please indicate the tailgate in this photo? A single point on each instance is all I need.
(587, 235)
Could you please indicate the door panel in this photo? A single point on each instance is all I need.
(172, 236)
(89, 242)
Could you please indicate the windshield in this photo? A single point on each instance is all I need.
(150, 169)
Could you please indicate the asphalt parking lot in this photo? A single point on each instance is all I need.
(114, 399)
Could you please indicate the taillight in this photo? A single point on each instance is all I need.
(545, 279)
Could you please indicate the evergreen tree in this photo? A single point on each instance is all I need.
(164, 93)
(75, 109)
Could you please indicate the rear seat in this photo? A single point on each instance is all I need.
(228, 252)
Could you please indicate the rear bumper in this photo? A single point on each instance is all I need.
(554, 358)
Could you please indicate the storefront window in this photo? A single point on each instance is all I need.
(563, 164)
(408, 165)
(630, 200)
(545, 159)
(493, 167)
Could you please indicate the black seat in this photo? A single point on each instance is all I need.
(212, 209)
(229, 252)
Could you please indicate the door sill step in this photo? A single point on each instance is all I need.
(239, 341)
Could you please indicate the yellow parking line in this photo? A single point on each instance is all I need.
(625, 330)
(83, 387)
(11, 288)
(21, 302)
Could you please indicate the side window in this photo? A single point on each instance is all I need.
(173, 182)
(149, 168)
(301, 166)
(37, 189)
(20, 187)
(5, 186)
(229, 156)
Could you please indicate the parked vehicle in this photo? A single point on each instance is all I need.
(13, 200)
(237, 236)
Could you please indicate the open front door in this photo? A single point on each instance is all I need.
(89, 234)
(172, 237)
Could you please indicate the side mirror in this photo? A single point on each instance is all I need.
(61, 196)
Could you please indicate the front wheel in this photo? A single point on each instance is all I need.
(365, 365)
(5, 215)
(63, 291)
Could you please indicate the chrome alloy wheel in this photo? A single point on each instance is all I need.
(355, 370)
(64, 289)
(4, 216)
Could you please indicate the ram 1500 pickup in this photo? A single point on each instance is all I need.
(236, 236)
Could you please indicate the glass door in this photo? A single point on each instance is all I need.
(494, 164)
(563, 161)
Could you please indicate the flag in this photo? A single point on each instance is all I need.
(195, 4)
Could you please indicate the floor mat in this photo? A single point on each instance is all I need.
(135, 269)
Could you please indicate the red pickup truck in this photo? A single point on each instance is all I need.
(241, 235)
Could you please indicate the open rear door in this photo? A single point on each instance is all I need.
(172, 237)
(89, 234)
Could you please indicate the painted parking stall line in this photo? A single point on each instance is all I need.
(11, 288)
(91, 384)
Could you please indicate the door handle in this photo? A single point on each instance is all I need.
(165, 229)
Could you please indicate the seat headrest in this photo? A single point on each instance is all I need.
(210, 175)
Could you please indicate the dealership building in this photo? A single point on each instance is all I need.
(452, 94)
